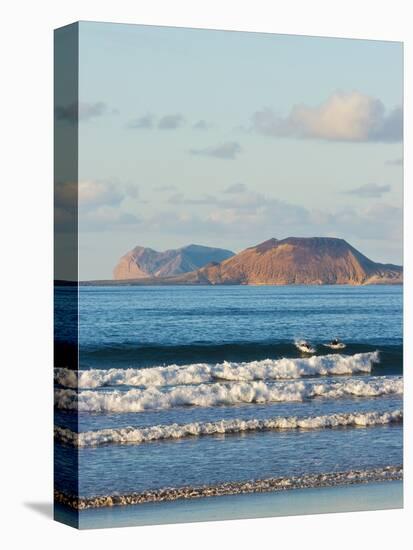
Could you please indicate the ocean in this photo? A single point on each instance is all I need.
(185, 392)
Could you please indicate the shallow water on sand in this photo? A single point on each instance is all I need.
(375, 496)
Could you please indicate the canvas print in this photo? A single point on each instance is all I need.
(228, 275)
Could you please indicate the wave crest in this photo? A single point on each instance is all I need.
(136, 435)
(219, 394)
(198, 373)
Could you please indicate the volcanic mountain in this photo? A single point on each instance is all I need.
(315, 261)
(143, 263)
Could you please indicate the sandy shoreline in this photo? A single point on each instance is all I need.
(346, 498)
(388, 473)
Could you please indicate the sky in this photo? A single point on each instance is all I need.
(227, 139)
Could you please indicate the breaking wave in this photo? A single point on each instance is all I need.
(198, 373)
(219, 394)
(134, 435)
(329, 479)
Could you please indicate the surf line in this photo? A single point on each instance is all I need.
(212, 395)
(198, 373)
(331, 479)
(138, 435)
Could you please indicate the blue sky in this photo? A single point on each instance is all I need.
(229, 138)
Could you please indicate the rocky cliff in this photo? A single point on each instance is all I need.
(142, 263)
(318, 261)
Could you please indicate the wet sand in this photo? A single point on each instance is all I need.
(371, 496)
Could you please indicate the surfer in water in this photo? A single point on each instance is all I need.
(335, 344)
(304, 347)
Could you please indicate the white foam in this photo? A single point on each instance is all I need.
(328, 479)
(199, 373)
(218, 394)
(136, 435)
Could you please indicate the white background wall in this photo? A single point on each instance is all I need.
(26, 258)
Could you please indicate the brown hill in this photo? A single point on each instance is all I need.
(316, 261)
(142, 263)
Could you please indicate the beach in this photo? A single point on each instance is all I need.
(354, 498)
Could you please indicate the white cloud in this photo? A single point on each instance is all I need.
(101, 208)
(165, 122)
(145, 121)
(201, 125)
(95, 193)
(369, 191)
(344, 116)
(179, 198)
(228, 150)
(89, 194)
(163, 188)
(96, 204)
(236, 188)
(395, 162)
(171, 122)
(82, 111)
(105, 218)
(249, 218)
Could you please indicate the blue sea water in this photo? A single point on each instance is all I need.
(141, 328)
